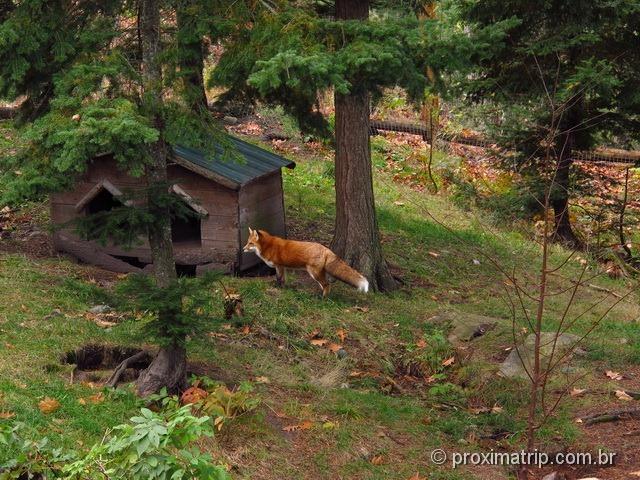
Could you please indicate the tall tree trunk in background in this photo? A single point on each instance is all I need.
(569, 140)
(356, 238)
(168, 369)
(560, 202)
(191, 61)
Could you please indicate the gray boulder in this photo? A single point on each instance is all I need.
(514, 365)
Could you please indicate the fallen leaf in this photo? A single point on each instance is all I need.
(342, 334)
(48, 405)
(421, 343)
(246, 330)
(578, 420)
(613, 375)
(577, 392)
(624, 396)
(97, 398)
(361, 309)
(104, 323)
(6, 415)
(448, 362)
(496, 409)
(263, 380)
(417, 477)
(319, 342)
(398, 203)
(193, 395)
(479, 410)
(636, 473)
(334, 347)
(329, 425)
(82, 401)
(306, 425)
(291, 428)
(434, 254)
(377, 460)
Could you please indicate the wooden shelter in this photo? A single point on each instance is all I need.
(229, 196)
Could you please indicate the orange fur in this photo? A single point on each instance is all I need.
(316, 259)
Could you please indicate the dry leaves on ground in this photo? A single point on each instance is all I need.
(613, 375)
(48, 405)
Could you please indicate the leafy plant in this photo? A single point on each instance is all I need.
(224, 404)
(152, 446)
(428, 355)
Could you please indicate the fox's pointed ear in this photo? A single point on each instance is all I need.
(250, 231)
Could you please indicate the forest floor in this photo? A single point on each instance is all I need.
(401, 386)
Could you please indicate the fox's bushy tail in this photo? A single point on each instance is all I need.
(340, 270)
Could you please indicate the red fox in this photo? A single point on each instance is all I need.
(317, 259)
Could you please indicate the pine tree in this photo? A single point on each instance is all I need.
(101, 74)
(567, 65)
(291, 55)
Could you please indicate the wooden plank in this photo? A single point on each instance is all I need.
(71, 197)
(262, 189)
(207, 173)
(191, 180)
(62, 213)
(213, 231)
(221, 246)
(189, 200)
(213, 199)
(268, 206)
(88, 253)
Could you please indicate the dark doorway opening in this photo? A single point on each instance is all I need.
(104, 201)
(187, 229)
(133, 261)
(186, 270)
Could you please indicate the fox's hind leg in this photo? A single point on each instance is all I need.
(280, 276)
(320, 277)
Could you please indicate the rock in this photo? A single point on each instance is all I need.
(229, 120)
(513, 366)
(342, 353)
(334, 378)
(466, 326)
(100, 309)
(56, 312)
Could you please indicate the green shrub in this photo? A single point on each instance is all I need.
(152, 446)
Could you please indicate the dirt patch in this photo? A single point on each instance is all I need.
(94, 362)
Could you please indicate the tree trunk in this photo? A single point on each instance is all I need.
(356, 238)
(560, 198)
(191, 59)
(168, 369)
(563, 230)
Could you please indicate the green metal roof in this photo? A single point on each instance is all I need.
(234, 174)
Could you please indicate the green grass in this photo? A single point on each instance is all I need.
(371, 417)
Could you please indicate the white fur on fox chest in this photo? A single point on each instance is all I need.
(256, 250)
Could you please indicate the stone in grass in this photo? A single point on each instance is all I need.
(466, 326)
(514, 365)
(56, 312)
(98, 309)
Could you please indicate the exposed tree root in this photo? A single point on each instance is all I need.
(610, 416)
(120, 369)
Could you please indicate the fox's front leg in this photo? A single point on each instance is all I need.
(280, 276)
